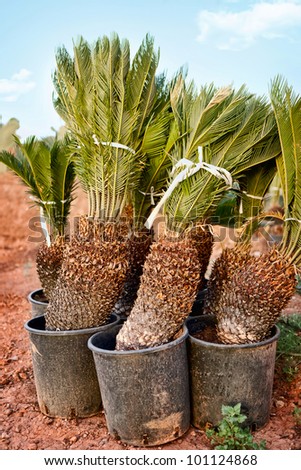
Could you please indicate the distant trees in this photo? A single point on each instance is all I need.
(7, 141)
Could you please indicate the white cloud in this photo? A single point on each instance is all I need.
(19, 84)
(238, 30)
(21, 75)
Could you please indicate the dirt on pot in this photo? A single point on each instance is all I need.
(23, 426)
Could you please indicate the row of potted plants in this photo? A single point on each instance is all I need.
(116, 331)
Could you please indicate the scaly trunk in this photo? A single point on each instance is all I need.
(92, 276)
(168, 288)
(203, 239)
(139, 246)
(49, 262)
(248, 293)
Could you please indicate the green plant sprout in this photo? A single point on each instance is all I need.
(297, 415)
(230, 435)
(289, 345)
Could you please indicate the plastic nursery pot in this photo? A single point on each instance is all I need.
(38, 302)
(64, 371)
(145, 393)
(229, 374)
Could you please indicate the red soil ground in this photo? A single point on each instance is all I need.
(23, 426)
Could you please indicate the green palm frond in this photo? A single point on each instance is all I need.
(255, 185)
(64, 80)
(47, 171)
(244, 207)
(141, 82)
(62, 183)
(250, 155)
(220, 117)
(216, 115)
(19, 165)
(210, 118)
(38, 158)
(205, 117)
(157, 142)
(253, 142)
(193, 200)
(107, 101)
(287, 109)
(236, 130)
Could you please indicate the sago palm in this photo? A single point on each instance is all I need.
(110, 106)
(47, 170)
(235, 132)
(153, 181)
(247, 293)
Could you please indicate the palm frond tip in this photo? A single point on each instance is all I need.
(101, 93)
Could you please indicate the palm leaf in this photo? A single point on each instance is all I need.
(254, 185)
(46, 170)
(62, 183)
(38, 158)
(157, 142)
(64, 80)
(220, 117)
(141, 83)
(287, 109)
(20, 166)
(196, 197)
(106, 100)
(237, 132)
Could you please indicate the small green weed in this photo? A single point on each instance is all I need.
(290, 341)
(289, 371)
(289, 345)
(297, 415)
(230, 435)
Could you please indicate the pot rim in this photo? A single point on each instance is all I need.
(33, 301)
(145, 351)
(90, 331)
(274, 331)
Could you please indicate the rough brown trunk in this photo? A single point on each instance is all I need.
(165, 297)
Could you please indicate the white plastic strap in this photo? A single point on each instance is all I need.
(63, 201)
(113, 144)
(42, 202)
(152, 195)
(241, 207)
(251, 196)
(241, 210)
(190, 168)
(292, 218)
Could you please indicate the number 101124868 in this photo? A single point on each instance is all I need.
(222, 459)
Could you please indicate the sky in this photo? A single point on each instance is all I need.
(228, 42)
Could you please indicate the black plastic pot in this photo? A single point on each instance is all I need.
(64, 371)
(229, 374)
(38, 302)
(145, 393)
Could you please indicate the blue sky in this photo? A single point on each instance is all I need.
(224, 41)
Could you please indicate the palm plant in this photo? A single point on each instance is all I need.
(247, 294)
(116, 111)
(153, 181)
(236, 132)
(47, 170)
